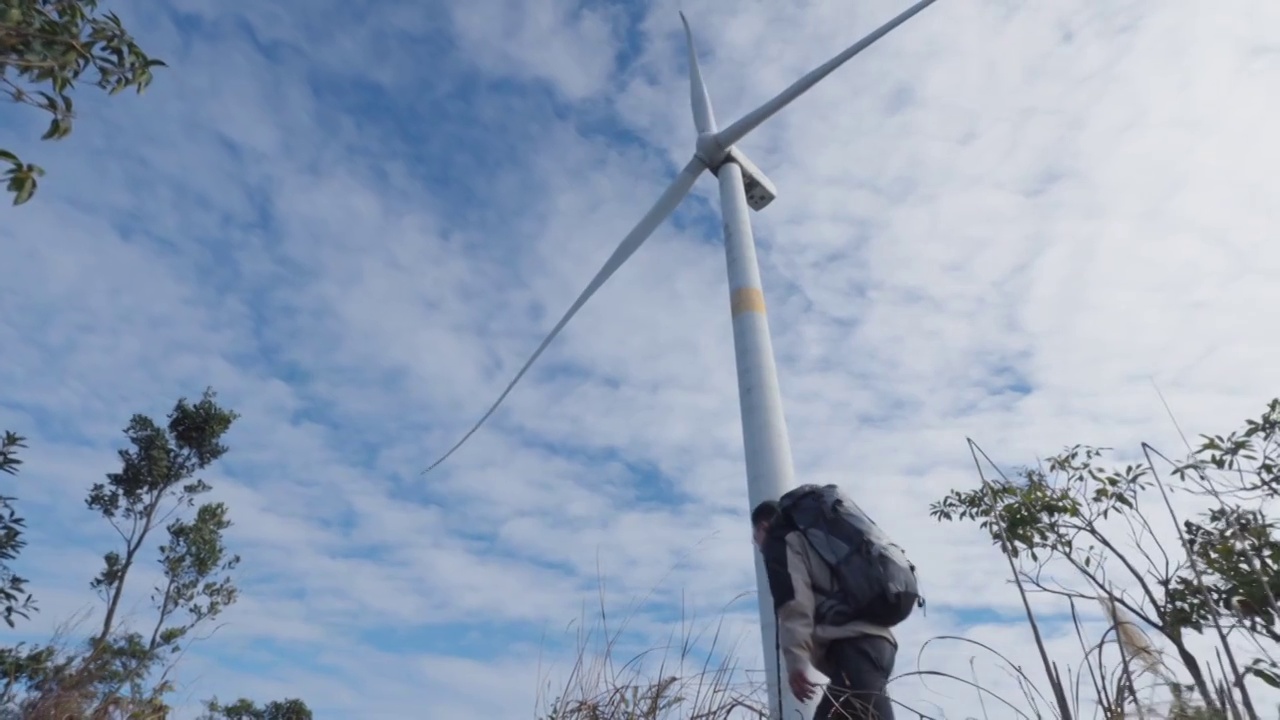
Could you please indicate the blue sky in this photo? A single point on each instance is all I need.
(356, 222)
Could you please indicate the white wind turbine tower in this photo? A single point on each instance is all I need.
(742, 185)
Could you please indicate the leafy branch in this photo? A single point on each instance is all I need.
(46, 47)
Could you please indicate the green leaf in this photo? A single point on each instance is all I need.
(1265, 676)
(25, 189)
(47, 47)
(54, 131)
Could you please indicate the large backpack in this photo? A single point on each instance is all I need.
(875, 582)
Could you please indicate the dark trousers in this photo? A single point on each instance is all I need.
(861, 668)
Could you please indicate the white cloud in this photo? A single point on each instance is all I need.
(320, 220)
(562, 42)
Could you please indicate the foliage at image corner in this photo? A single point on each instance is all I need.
(46, 48)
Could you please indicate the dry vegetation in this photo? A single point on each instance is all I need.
(692, 675)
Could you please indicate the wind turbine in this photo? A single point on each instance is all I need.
(742, 185)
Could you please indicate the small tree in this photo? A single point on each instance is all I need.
(112, 675)
(1095, 526)
(157, 482)
(46, 46)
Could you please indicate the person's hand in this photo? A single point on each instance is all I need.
(801, 686)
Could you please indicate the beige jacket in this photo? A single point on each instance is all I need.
(798, 579)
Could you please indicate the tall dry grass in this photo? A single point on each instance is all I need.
(694, 674)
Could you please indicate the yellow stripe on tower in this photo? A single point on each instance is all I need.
(747, 299)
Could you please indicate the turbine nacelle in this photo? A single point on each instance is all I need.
(760, 190)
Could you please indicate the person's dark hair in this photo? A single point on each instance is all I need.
(765, 512)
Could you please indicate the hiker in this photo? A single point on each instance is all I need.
(835, 612)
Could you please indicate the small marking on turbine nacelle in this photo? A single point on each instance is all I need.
(747, 299)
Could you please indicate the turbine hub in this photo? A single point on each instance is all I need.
(710, 151)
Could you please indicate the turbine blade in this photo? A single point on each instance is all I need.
(704, 119)
(738, 130)
(666, 204)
